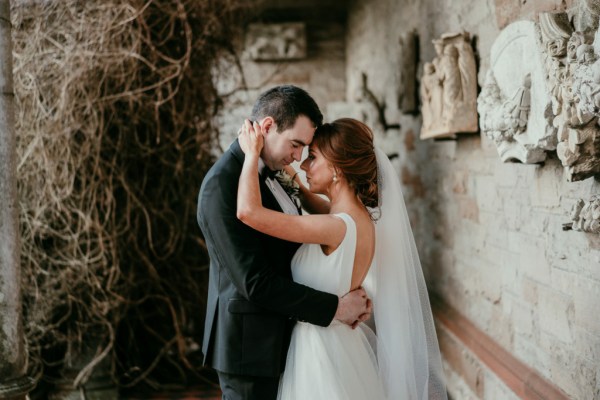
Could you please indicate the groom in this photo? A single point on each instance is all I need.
(253, 302)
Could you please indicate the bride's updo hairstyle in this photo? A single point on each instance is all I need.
(348, 145)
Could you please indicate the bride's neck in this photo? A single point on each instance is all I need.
(342, 199)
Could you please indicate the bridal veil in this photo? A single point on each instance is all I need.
(407, 348)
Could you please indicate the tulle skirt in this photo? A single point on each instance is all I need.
(333, 363)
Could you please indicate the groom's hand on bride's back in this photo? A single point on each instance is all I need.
(354, 307)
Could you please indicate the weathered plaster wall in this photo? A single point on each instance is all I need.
(322, 73)
(489, 234)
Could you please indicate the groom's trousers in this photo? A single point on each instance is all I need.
(243, 387)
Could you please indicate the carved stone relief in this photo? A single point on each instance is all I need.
(271, 42)
(514, 105)
(572, 62)
(586, 215)
(407, 72)
(449, 88)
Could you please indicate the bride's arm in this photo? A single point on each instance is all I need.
(311, 202)
(322, 229)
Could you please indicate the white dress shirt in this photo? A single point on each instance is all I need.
(287, 205)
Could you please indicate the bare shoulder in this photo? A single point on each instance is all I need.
(363, 221)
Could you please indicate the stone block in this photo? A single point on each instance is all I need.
(496, 231)
(462, 362)
(496, 389)
(521, 313)
(486, 193)
(527, 350)
(509, 274)
(556, 313)
(507, 11)
(455, 385)
(491, 282)
(506, 174)
(587, 304)
(532, 257)
(459, 179)
(545, 189)
(468, 208)
(587, 345)
(563, 281)
(569, 371)
(529, 291)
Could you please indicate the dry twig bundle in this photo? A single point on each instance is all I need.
(114, 107)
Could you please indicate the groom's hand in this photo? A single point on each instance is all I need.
(354, 307)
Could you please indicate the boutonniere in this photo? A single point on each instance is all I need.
(289, 185)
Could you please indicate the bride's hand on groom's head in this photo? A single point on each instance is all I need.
(251, 138)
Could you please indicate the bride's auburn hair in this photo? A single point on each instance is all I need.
(348, 145)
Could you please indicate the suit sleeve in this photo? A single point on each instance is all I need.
(242, 256)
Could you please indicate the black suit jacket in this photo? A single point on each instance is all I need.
(252, 300)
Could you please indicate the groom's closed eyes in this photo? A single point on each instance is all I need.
(298, 143)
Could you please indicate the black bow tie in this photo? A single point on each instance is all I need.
(267, 173)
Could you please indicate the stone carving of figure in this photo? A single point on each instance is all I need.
(431, 95)
(449, 87)
(449, 75)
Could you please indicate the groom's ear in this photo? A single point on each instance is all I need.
(268, 124)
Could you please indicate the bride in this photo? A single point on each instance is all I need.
(360, 237)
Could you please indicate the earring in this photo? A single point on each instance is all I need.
(334, 176)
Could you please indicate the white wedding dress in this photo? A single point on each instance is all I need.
(403, 361)
(335, 362)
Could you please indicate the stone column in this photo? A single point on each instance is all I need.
(13, 382)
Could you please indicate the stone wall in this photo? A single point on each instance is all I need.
(489, 234)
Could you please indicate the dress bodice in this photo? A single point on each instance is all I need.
(329, 273)
(334, 362)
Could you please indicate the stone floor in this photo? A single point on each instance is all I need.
(193, 393)
(205, 389)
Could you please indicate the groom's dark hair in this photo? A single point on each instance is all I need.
(285, 104)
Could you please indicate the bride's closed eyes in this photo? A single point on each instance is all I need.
(307, 163)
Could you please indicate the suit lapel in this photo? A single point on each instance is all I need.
(268, 198)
